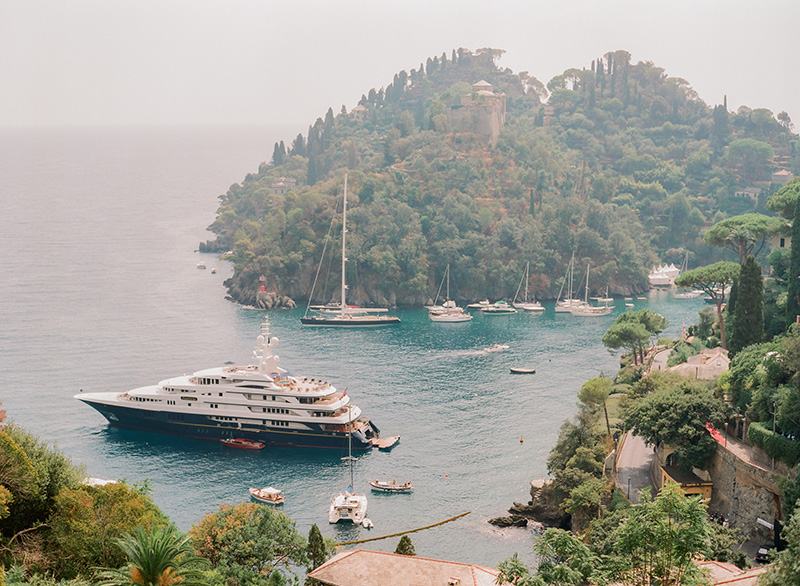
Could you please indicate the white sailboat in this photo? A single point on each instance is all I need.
(566, 304)
(347, 506)
(344, 315)
(586, 309)
(525, 303)
(448, 312)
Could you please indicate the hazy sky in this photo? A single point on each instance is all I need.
(156, 62)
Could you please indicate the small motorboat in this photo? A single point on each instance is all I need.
(213, 271)
(367, 524)
(478, 304)
(268, 495)
(520, 370)
(386, 486)
(201, 265)
(242, 443)
(496, 348)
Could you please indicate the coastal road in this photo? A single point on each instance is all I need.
(633, 467)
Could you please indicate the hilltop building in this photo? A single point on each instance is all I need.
(359, 113)
(282, 185)
(481, 112)
(750, 193)
(782, 177)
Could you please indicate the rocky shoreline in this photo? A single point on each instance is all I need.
(541, 510)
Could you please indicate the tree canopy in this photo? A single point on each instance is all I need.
(713, 280)
(785, 199)
(248, 542)
(744, 234)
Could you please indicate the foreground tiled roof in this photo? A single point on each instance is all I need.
(722, 573)
(361, 567)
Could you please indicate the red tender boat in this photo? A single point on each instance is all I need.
(245, 444)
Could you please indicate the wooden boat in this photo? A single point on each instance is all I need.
(386, 486)
(268, 494)
(242, 443)
(519, 370)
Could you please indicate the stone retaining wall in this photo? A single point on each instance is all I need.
(743, 493)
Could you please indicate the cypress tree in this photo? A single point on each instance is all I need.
(317, 551)
(793, 299)
(311, 178)
(277, 155)
(405, 547)
(748, 314)
(299, 146)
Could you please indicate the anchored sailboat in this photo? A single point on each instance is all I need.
(449, 312)
(342, 315)
(586, 309)
(525, 303)
(347, 506)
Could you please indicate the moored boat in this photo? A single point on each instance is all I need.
(268, 494)
(498, 308)
(448, 312)
(344, 315)
(478, 304)
(242, 443)
(347, 506)
(526, 304)
(390, 486)
(521, 370)
(586, 309)
(260, 402)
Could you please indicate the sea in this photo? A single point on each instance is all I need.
(100, 291)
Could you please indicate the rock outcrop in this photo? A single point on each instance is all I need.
(541, 509)
(271, 300)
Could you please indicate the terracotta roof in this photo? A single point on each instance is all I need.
(361, 567)
(729, 575)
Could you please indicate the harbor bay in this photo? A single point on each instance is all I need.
(103, 293)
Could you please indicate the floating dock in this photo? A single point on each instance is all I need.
(385, 443)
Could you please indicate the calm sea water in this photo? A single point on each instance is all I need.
(100, 291)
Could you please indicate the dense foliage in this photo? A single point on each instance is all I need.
(652, 543)
(623, 165)
(247, 543)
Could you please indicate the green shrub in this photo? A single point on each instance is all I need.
(775, 445)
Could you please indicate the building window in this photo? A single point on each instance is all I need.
(783, 242)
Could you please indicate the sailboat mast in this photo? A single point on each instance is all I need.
(586, 294)
(344, 233)
(527, 268)
(448, 281)
(350, 442)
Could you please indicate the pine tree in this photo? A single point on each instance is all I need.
(405, 547)
(793, 300)
(748, 313)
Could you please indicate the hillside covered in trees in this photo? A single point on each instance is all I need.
(616, 162)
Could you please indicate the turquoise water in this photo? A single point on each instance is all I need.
(101, 292)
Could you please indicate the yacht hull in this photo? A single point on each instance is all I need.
(199, 426)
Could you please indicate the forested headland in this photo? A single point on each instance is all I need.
(615, 161)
